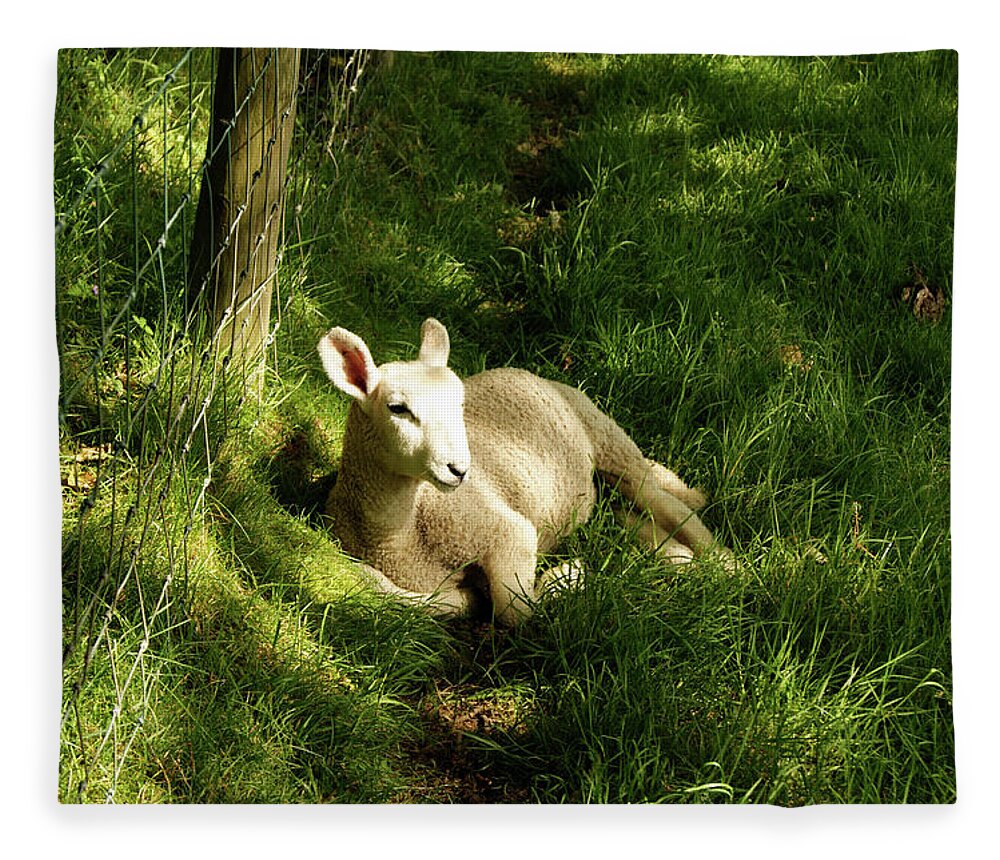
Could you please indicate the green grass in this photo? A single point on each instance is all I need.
(713, 248)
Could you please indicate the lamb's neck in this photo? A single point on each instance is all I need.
(385, 501)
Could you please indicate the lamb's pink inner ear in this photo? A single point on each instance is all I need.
(355, 369)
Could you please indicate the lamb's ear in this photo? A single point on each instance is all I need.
(348, 363)
(434, 343)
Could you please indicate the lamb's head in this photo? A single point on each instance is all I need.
(416, 408)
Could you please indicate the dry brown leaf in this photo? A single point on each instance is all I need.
(791, 355)
(927, 301)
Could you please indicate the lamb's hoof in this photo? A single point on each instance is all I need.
(724, 555)
(669, 481)
(560, 578)
(695, 498)
(673, 552)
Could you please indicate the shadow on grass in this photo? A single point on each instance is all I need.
(256, 720)
(296, 487)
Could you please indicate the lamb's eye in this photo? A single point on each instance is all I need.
(399, 409)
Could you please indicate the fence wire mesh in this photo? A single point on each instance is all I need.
(157, 356)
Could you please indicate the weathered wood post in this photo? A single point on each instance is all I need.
(238, 224)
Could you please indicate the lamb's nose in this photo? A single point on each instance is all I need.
(458, 471)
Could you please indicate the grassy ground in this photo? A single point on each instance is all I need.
(746, 262)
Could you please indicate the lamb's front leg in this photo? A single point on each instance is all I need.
(514, 584)
(510, 566)
(448, 601)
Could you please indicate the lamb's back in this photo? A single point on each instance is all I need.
(530, 447)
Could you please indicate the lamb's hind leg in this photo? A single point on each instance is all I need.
(666, 524)
(662, 543)
(671, 515)
(654, 489)
(672, 483)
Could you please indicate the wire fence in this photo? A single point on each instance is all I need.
(171, 215)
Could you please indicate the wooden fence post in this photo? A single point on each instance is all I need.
(238, 224)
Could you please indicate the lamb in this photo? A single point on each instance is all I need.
(442, 481)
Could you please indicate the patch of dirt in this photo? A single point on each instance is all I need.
(462, 711)
(449, 767)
